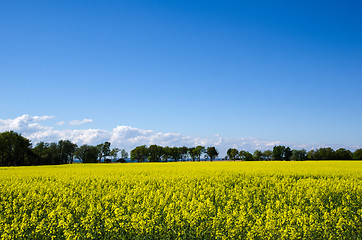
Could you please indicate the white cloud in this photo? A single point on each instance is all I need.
(24, 124)
(61, 123)
(128, 137)
(79, 136)
(41, 118)
(80, 122)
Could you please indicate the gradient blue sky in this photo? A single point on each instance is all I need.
(275, 70)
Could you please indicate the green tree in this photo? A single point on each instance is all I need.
(192, 153)
(15, 150)
(199, 150)
(298, 155)
(245, 155)
(114, 153)
(48, 153)
(54, 153)
(41, 150)
(257, 155)
(343, 154)
(67, 149)
(232, 153)
(139, 153)
(267, 155)
(175, 153)
(87, 153)
(100, 153)
(106, 149)
(357, 155)
(212, 153)
(166, 153)
(311, 155)
(287, 154)
(184, 152)
(124, 154)
(278, 152)
(282, 153)
(155, 153)
(324, 154)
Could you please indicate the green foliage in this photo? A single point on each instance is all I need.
(278, 152)
(184, 152)
(322, 154)
(232, 153)
(298, 155)
(114, 153)
(198, 151)
(155, 153)
(124, 154)
(281, 153)
(192, 153)
(139, 154)
(203, 200)
(267, 155)
(287, 154)
(175, 153)
(357, 155)
(87, 154)
(311, 155)
(245, 155)
(212, 153)
(14, 149)
(166, 153)
(257, 155)
(41, 150)
(67, 150)
(53, 153)
(343, 154)
(106, 149)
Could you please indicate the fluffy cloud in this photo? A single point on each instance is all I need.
(80, 122)
(128, 137)
(24, 124)
(61, 123)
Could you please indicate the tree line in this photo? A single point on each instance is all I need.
(156, 153)
(16, 150)
(284, 153)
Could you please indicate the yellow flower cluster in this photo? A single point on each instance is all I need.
(193, 200)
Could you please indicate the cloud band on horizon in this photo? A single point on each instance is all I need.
(129, 137)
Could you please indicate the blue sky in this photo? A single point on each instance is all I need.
(288, 71)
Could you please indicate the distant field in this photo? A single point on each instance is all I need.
(183, 200)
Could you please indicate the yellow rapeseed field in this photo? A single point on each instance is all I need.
(183, 200)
